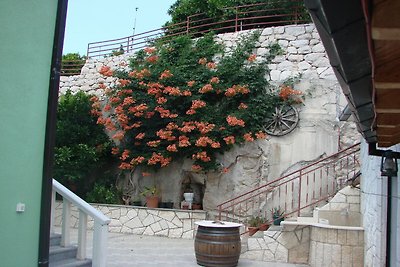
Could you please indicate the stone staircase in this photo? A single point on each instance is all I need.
(64, 256)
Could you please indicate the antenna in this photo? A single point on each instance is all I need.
(134, 22)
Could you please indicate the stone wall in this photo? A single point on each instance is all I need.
(279, 246)
(319, 133)
(336, 247)
(373, 208)
(141, 221)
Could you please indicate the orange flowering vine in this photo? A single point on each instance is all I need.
(160, 111)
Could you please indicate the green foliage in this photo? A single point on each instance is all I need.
(81, 145)
(72, 64)
(222, 10)
(104, 194)
(255, 221)
(188, 99)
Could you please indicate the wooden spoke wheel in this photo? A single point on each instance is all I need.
(282, 121)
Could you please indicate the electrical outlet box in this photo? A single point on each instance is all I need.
(20, 207)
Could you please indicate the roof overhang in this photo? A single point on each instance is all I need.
(362, 40)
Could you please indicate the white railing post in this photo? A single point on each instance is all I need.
(53, 210)
(65, 231)
(100, 237)
(82, 230)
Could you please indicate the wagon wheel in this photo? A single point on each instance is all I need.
(282, 121)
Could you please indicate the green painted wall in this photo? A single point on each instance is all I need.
(26, 43)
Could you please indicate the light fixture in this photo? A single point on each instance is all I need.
(388, 164)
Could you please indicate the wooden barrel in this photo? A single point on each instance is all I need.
(217, 247)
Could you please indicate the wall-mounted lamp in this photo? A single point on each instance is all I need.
(388, 164)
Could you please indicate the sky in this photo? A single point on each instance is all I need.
(98, 20)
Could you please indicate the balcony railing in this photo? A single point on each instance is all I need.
(100, 235)
(261, 15)
(295, 192)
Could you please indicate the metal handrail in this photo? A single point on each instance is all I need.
(242, 17)
(101, 222)
(297, 182)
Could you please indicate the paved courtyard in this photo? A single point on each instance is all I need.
(127, 250)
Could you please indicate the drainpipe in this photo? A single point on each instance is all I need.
(389, 220)
(45, 208)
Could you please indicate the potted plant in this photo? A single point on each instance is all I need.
(253, 224)
(151, 195)
(277, 215)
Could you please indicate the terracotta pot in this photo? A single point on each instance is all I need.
(196, 206)
(263, 227)
(152, 201)
(252, 230)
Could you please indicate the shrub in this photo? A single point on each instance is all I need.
(82, 146)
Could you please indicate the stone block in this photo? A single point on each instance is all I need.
(291, 50)
(156, 227)
(279, 30)
(148, 220)
(253, 244)
(268, 256)
(352, 238)
(275, 74)
(272, 246)
(281, 254)
(286, 75)
(347, 256)
(288, 240)
(306, 36)
(187, 225)
(177, 222)
(167, 215)
(299, 254)
(148, 231)
(304, 50)
(332, 236)
(267, 31)
(358, 256)
(336, 255)
(182, 215)
(295, 30)
(299, 43)
(354, 207)
(312, 253)
(319, 250)
(188, 235)
(132, 213)
(353, 199)
(175, 233)
(134, 223)
(310, 28)
(327, 255)
(283, 43)
(162, 233)
(318, 48)
(304, 65)
(296, 58)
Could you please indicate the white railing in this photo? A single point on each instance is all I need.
(101, 222)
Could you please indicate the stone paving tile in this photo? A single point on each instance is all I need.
(128, 250)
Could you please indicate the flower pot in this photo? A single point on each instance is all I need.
(196, 206)
(188, 197)
(167, 205)
(136, 203)
(278, 220)
(263, 227)
(252, 230)
(152, 201)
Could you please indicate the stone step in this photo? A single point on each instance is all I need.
(72, 263)
(55, 239)
(58, 253)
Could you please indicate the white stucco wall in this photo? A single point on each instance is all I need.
(373, 208)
